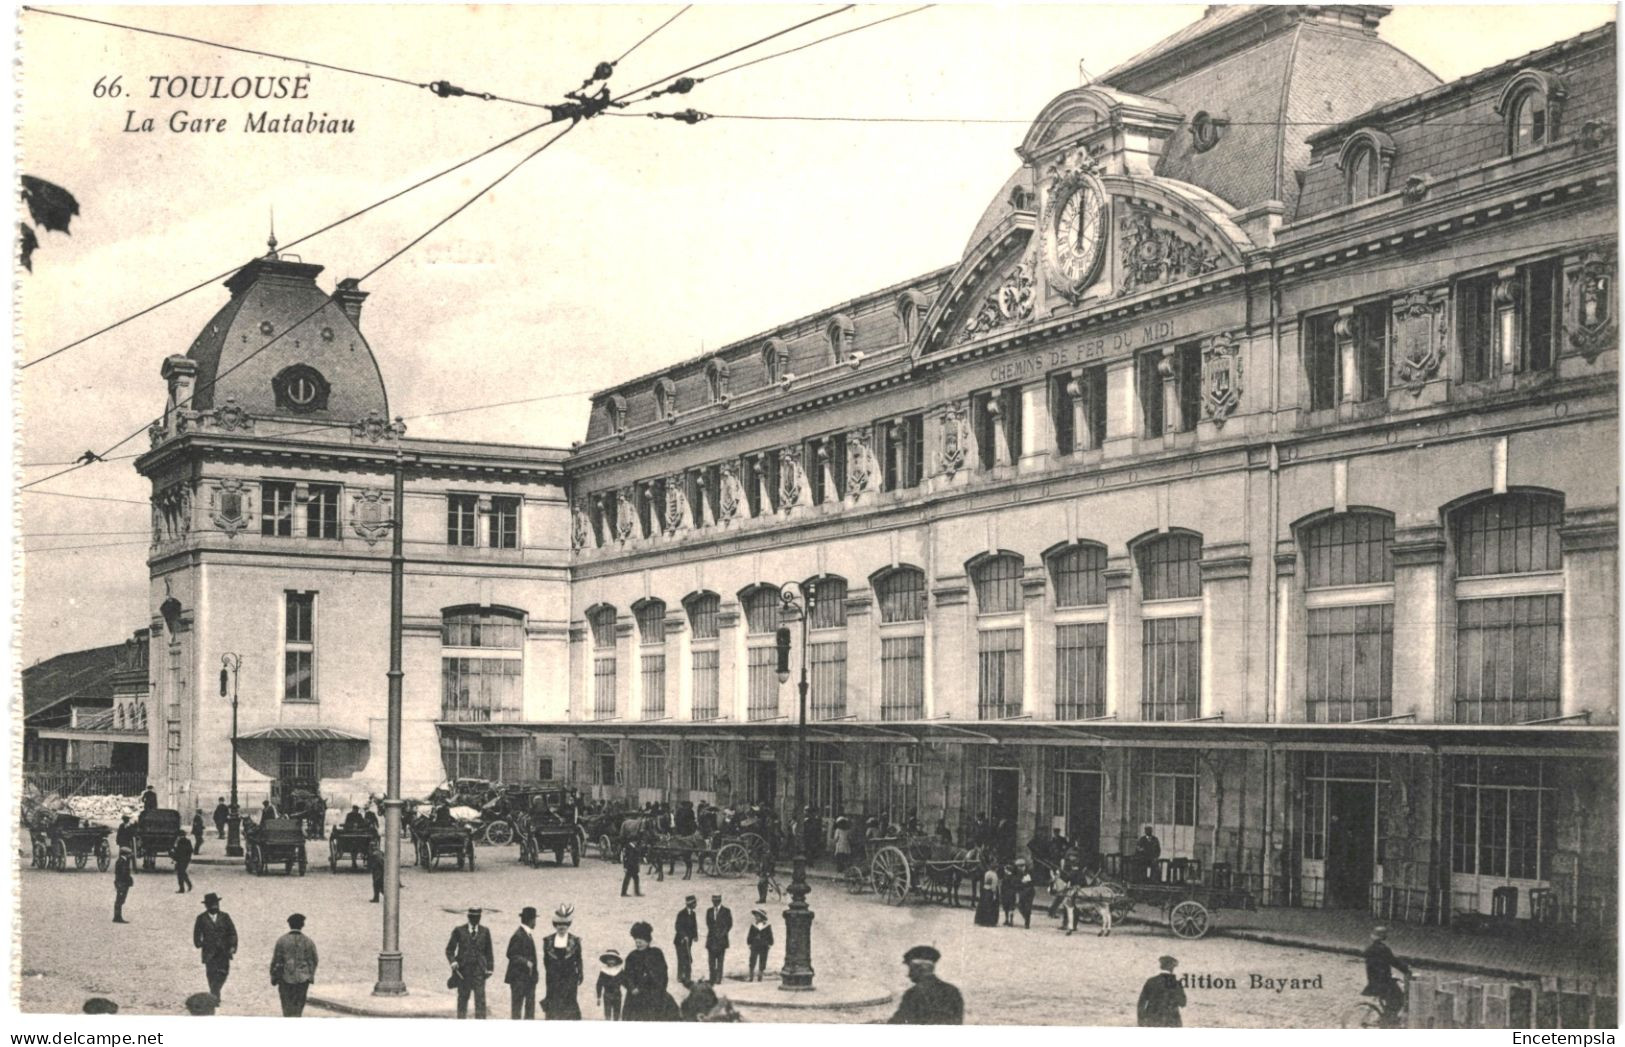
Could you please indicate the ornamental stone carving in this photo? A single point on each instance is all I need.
(626, 514)
(1221, 377)
(793, 487)
(580, 527)
(676, 503)
(230, 417)
(1009, 303)
(956, 438)
(1421, 321)
(375, 428)
(861, 467)
(1590, 321)
(228, 508)
(371, 513)
(730, 495)
(1153, 254)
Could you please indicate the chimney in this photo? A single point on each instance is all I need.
(179, 372)
(349, 296)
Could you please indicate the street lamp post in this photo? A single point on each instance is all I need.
(798, 599)
(391, 964)
(230, 664)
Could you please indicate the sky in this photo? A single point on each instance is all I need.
(631, 244)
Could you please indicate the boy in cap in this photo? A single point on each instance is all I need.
(608, 992)
(1162, 997)
(759, 939)
(293, 967)
(930, 1000)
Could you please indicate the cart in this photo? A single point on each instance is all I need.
(914, 867)
(155, 833)
(1189, 908)
(276, 841)
(543, 833)
(716, 856)
(434, 841)
(354, 844)
(69, 836)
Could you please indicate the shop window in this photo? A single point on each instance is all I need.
(1502, 818)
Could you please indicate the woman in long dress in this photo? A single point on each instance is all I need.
(645, 980)
(562, 966)
(987, 901)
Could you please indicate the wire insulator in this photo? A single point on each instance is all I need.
(687, 116)
(681, 86)
(446, 89)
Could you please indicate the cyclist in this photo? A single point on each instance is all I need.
(1380, 962)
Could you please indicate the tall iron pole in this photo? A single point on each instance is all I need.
(797, 973)
(234, 816)
(391, 981)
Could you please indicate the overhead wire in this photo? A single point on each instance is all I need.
(674, 77)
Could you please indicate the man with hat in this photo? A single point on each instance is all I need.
(1162, 997)
(469, 953)
(215, 936)
(719, 921)
(123, 880)
(1380, 962)
(687, 933)
(521, 976)
(1025, 889)
(930, 1000)
(293, 967)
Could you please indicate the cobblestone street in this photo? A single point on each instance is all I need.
(1008, 975)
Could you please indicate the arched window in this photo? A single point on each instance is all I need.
(716, 381)
(901, 592)
(1531, 103)
(651, 615)
(1361, 176)
(1366, 159)
(1527, 126)
(841, 333)
(1350, 641)
(1169, 567)
(481, 664)
(997, 580)
(702, 615)
(829, 603)
(601, 620)
(1079, 575)
(665, 398)
(775, 360)
(761, 610)
(1509, 631)
(911, 309)
(702, 610)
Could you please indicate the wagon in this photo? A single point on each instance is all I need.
(716, 856)
(543, 833)
(1188, 908)
(436, 841)
(354, 844)
(275, 841)
(920, 867)
(155, 833)
(502, 818)
(69, 836)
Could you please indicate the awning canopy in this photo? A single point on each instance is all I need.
(1514, 740)
(487, 730)
(300, 734)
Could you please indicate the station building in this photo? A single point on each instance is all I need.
(1251, 476)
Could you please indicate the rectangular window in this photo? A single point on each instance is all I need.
(902, 678)
(706, 686)
(296, 762)
(604, 771)
(826, 668)
(1542, 299)
(322, 511)
(480, 690)
(603, 688)
(1475, 327)
(1165, 790)
(1148, 380)
(1171, 669)
(902, 446)
(1320, 360)
(826, 468)
(1061, 415)
(299, 647)
(504, 522)
(1509, 659)
(702, 771)
(461, 513)
(762, 683)
(828, 774)
(760, 474)
(902, 786)
(544, 768)
(1370, 330)
(1188, 366)
(1094, 405)
(654, 685)
(1529, 318)
(997, 416)
(1351, 663)
(1502, 819)
(999, 673)
(1080, 671)
(1314, 819)
(1078, 409)
(651, 768)
(276, 509)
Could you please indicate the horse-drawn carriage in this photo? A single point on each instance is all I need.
(921, 867)
(308, 809)
(155, 833)
(275, 841)
(441, 837)
(354, 844)
(544, 831)
(59, 837)
(1187, 908)
(727, 852)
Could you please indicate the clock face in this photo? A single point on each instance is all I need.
(1079, 233)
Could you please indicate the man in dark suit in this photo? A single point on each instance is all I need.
(149, 799)
(1162, 997)
(181, 852)
(469, 953)
(1380, 963)
(719, 920)
(521, 976)
(631, 863)
(123, 880)
(355, 820)
(124, 836)
(688, 932)
(215, 936)
(930, 1000)
(1147, 849)
(222, 814)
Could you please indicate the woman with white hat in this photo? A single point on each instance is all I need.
(561, 962)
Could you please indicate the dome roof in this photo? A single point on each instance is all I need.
(282, 347)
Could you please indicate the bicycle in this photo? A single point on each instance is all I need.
(1371, 1012)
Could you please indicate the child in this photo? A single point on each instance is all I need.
(760, 940)
(609, 985)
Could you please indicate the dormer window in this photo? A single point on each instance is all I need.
(911, 307)
(1206, 130)
(1531, 104)
(616, 406)
(716, 381)
(841, 333)
(300, 389)
(665, 398)
(775, 360)
(1366, 160)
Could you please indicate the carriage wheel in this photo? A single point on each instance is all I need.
(854, 880)
(575, 852)
(733, 859)
(890, 875)
(59, 855)
(42, 855)
(1189, 919)
(80, 859)
(499, 834)
(756, 845)
(104, 855)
